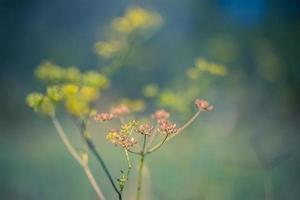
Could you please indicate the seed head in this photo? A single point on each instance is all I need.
(203, 105)
(103, 117)
(167, 127)
(161, 115)
(145, 129)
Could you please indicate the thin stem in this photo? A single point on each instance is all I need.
(93, 182)
(191, 120)
(76, 156)
(93, 149)
(134, 152)
(140, 175)
(158, 145)
(140, 172)
(129, 167)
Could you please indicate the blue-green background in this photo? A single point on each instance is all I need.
(247, 148)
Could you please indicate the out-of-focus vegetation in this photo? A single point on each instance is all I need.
(248, 148)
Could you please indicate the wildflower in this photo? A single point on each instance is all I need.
(94, 79)
(136, 105)
(145, 129)
(210, 67)
(203, 105)
(72, 74)
(77, 106)
(167, 127)
(69, 90)
(108, 49)
(89, 93)
(113, 136)
(46, 106)
(104, 117)
(119, 110)
(150, 90)
(54, 93)
(34, 100)
(127, 128)
(135, 19)
(49, 72)
(126, 141)
(161, 115)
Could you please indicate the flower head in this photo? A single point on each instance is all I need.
(167, 127)
(119, 110)
(203, 105)
(125, 141)
(145, 129)
(104, 117)
(161, 115)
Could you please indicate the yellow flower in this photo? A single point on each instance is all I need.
(212, 68)
(54, 93)
(150, 90)
(136, 105)
(89, 93)
(113, 136)
(49, 72)
(77, 106)
(47, 107)
(95, 79)
(34, 100)
(137, 18)
(72, 74)
(126, 128)
(108, 49)
(70, 90)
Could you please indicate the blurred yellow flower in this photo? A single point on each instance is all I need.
(34, 100)
(77, 106)
(49, 72)
(137, 18)
(54, 93)
(72, 74)
(95, 79)
(70, 90)
(47, 107)
(150, 90)
(108, 49)
(212, 68)
(89, 93)
(136, 105)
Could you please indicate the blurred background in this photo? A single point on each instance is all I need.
(247, 148)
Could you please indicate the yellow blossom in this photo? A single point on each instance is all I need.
(72, 74)
(89, 93)
(70, 90)
(49, 72)
(54, 93)
(77, 106)
(212, 68)
(94, 79)
(34, 100)
(137, 18)
(150, 90)
(108, 49)
(47, 107)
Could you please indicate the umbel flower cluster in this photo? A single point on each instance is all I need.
(74, 92)
(137, 136)
(74, 89)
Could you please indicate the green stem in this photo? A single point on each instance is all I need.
(140, 172)
(158, 145)
(93, 149)
(129, 168)
(140, 176)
